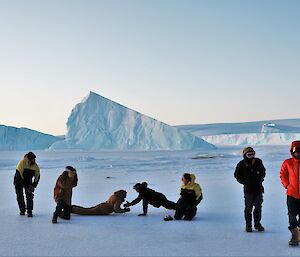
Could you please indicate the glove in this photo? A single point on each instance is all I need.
(127, 209)
(127, 204)
(142, 214)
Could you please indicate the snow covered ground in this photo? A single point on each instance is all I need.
(218, 229)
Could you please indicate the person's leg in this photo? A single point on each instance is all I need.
(292, 205)
(20, 199)
(257, 212)
(66, 214)
(292, 212)
(58, 210)
(29, 202)
(169, 204)
(190, 212)
(249, 202)
(180, 209)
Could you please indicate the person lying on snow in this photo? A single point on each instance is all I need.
(63, 193)
(190, 197)
(113, 204)
(150, 196)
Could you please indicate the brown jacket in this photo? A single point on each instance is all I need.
(63, 188)
(113, 204)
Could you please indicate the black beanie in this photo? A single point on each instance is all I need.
(137, 186)
(187, 176)
(30, 155)
(70, 168)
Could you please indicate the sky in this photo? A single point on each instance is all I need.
(181, 62)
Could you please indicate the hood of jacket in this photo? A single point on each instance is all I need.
(294, 144)
(190, 184)
(121, 194)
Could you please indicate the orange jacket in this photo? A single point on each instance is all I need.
(290, 174)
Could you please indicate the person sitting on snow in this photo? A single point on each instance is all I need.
(63, 193)
(113, 204)
(190, 197)
(150, 196)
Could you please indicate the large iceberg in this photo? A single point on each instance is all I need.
(99, 123)
(12, 138)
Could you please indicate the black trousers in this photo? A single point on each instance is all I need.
(293, 205)
(168, 204)
(253, 200)
(62, 210)
(20, 197)
(186, 210)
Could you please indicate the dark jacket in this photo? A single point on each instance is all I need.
(251, 175)
(149, 196)
(64, 187)
(191, 194)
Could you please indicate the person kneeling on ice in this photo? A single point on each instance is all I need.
(190, 197)
(63, 193)
(150, 196)
(113, 204)
(251, 173)
(290, 179)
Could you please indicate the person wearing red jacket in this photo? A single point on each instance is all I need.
(290, 179)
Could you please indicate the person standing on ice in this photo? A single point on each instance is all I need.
(290, 179)
(113, 204)
(149, 196)
(26, 170)
(190, 197)
(63, 193)
(251, 173)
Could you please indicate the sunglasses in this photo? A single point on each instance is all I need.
(250, 155)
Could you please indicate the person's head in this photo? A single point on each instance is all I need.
(71, 171)
(186, 178)
(121, 193)
(295, 149)
(248, 153)
(140, 186)
(31, 157)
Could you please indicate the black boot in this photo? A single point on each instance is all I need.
(257, 218)
(54, 218)
(249, 227)
(259, 227)
(29, 213)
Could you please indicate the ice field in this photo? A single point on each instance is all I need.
(217, 230)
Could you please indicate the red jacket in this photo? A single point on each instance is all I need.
(290, 174)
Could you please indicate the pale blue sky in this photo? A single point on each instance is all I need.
(181, 62)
